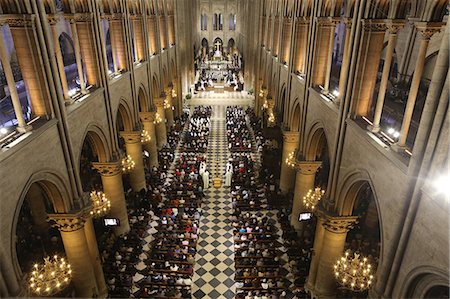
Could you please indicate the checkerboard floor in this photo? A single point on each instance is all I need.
(214, 265)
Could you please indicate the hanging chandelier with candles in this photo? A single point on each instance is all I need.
(174, 93)
(167, 104)
(312, 198)
(128, 164)
(145, 136)
(100, 204)
(51, 277)
(290, 160)
(158, 118)
(353, 272)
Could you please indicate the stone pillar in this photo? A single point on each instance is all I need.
(317, 249)
(393, 28)
(301, 47)
(332, 30)
(71, 227)
(4, 58)
(168, 108)
(161, 132)
(345, 59)
(426, 30)
(24, 35)
(148, 119)
(138, 38)
(304, 181)
(262, 30)
(287, 174)
(134, 149)
(111, 173)
(62, 73)
(151, 29)
(76, 45)
(95, 257)
(332, 248)
(267, 38)
(286, 40)
(86, 40)
(371, 46)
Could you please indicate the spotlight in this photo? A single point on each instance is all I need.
(335, 93)
(442, 185)
(3, 131)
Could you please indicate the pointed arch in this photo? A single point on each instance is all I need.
(123, 116)
(295, 119)
(142, 98)
(316, 141)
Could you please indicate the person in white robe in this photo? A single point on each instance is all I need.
(228, 176)
(205, 177)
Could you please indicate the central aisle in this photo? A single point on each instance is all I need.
(214, 264)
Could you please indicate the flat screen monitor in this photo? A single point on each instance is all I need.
(111, 222)
(304, 216)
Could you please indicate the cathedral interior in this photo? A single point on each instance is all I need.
(254, 149)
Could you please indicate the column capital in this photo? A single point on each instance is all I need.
(53, 19)
(114, 16)
(287, 20)
(79, 17)
(147, 116)
(291, 136)
(394, 25)
(108, 168)
(136, 17)
(70, 222)
(348, 23)
(131, 137)
(374, 25)
(428, 29)
(328, 21)
(336, 224)
(18, 20)
(307, 167)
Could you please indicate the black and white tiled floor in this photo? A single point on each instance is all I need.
(214, 265)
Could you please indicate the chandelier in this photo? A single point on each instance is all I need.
(167, 104)
(174, 93)
(290, 160)
(353, 272)
(49, 278)
(100, 204)
(127, 164)
(271, 118)
(145, 136)
(158, 118)
(311, 198)
(265, 105)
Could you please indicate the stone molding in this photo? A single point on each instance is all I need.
(291, 137)
(15, 20)
(394, 26)
(307, 167)
(374, 25)
(147, 116)
(131, 137)
(108, 168)
(70, 222)
(336, 224)
(114, 16)
(428, 29)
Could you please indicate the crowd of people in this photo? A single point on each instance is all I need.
(238, 133)
(196, 137)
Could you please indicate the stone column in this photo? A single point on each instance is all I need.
(71, 227)
(426, 30)
(95, 257)
(168, 108)
(345, 59)
(148, 119)
(76, 45)
(335, 233)
(276, 37)
(134, 149)
(267, 37)
(171, 24)
(161, 132)
(317, 249)
(111, 173)
(304, 181)
(287, 174)
(332, 30)
(286, 40)
(24, 35)
(86, 40)
(4, 58)
(301, 39)
(393, 28)
(62, 73)
(324, 29)
(162, 32)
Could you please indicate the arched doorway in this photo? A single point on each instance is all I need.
(282, 103)
(231, 46)
(143, 106)
(35, 238)
(218, 47)
(438, 292)
(295, 121)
